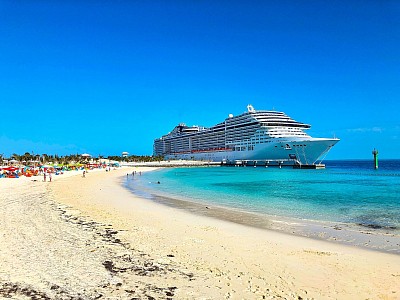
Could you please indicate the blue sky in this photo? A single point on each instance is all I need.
(109, 76)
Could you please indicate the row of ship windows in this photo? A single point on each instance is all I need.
(284, 129)
(231, 126)
(215, 145)
(243, 148)
(251, 147)
(240, 119)
(287, 146)
(251, 144)
(246, 132)
(195, 146)
(249, 131)
(239, 122)
(196, 142)
(240, 148)
(262, 139)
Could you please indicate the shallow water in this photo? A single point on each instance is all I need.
(346, 191)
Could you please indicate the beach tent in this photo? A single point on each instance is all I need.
(33, 163)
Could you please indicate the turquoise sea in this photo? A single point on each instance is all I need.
(349, 192)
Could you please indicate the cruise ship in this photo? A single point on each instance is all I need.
(256, 135)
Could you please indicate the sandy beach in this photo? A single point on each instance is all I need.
(90, 238)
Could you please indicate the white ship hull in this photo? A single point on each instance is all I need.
(284, 150)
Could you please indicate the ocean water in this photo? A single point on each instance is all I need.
(345, 191)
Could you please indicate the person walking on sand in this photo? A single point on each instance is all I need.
(50, 176)
(84, 172)
(44, 176)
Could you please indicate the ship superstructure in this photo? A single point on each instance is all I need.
(256, 135)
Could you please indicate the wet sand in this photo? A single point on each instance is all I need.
(90, 238)
(378, 239)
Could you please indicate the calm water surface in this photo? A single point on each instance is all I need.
(346, 191)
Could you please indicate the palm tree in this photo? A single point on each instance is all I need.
(37, 158)
(26, 157)
(45, 158)
(16, 157)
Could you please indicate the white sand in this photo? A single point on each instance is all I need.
(86, 237)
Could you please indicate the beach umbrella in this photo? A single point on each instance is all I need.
(10, 168)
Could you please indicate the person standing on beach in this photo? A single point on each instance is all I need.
(50, 176)
(84, 172)
(44, 176)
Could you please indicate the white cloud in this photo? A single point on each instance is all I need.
(365, 129)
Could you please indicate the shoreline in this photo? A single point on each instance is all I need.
(349, 234)
(97, 239)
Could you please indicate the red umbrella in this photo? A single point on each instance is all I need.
(10, 168)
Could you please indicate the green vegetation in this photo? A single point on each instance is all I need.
(27, 158)
(137, 158)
